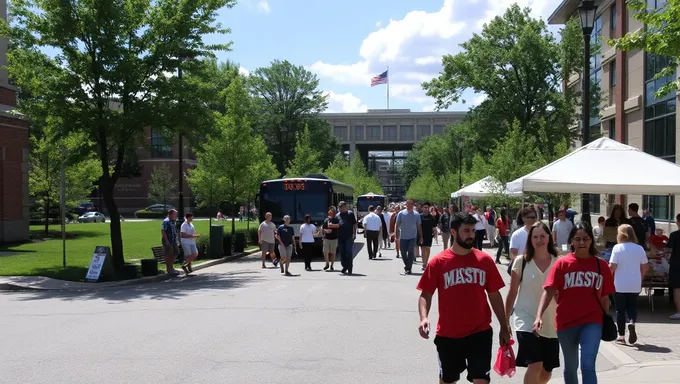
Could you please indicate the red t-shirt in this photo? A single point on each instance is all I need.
(573, 279)
(502, 227)
(462, 282)
(659, 242)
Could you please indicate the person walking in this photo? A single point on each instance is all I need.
(408, 230)
(539, 353)
(463, 278)
(347, 232)
(330, 239)
(428, 223)
(629, 264)
(503, 225)
(169, 242)
(583, 283)
(518, 240)
(480, 227)
(188, 236)
(266, 237)
(286, 237)
(561, 229)
(307, 232)
(490, 217)
(372, 229)
(384, 239)
(393, 227)
(445, 226)
(673, 248)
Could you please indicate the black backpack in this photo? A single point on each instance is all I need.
(524, 265)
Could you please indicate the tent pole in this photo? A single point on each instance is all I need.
(670, 213)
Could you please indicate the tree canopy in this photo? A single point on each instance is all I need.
(306, 159)
(108, 75)
(354, 173)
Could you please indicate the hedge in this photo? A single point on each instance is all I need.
(144, 214)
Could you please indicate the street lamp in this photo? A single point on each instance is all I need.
(460, 164)
(180, 205)
(282, 131)
(586, 12)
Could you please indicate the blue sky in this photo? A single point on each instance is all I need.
(347, 42)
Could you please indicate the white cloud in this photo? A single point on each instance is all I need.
(378, 24)
(263, 6)
(413, 46)
(345, 102)
(243, 71)
(429, 108)
(478, 100)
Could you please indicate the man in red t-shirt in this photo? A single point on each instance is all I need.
(464, 277)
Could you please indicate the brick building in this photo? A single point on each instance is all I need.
(131, 193)
(14, 149)
(628, 110)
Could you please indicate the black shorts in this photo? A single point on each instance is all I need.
(674, 277)
(534, 349)
(426, 242)
(472, 352)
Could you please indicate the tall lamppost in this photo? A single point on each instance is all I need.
(586, 12)
(460, 164)
(180, 175)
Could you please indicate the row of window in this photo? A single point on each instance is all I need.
(389, 132)
(658, 205)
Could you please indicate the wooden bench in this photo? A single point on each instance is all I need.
(158, 254)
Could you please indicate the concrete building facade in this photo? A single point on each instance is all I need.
(628, 110)
(14, 150)
(383, 138)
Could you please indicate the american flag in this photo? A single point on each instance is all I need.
(380, 79)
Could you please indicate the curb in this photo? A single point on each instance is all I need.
(142, 280)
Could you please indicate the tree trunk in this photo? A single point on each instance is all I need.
(47, 216)
(233, 219)
(116, 233)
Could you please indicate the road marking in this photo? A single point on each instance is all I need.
(615, 355)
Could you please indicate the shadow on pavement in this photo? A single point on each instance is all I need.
(174, 288)
(650, 348)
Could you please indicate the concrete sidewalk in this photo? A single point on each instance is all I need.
(22, 283)
(658, 372)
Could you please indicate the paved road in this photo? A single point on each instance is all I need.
(234, 323)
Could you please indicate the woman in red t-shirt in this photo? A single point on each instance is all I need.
(503, 225)
(580, 279)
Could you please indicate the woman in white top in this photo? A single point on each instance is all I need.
(188, 240)
(480, 227)
(307, 232)
(540, 353)
(628, 264)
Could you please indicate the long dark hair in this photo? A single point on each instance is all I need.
(588, 229)
(504, 216)
(611, 221)
(530, 251)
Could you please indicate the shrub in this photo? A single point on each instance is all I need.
(202, 243)
(144, 214)
(251, 236)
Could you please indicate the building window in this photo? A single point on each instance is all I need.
(406, 132)
(659, 130)
(340, 133)
(612, 129)
(159, 146)
(595, 132)
(612, 17)
(423, 131)
(390, 133)
(594, 203)
(358, 133)
(658, 206)
(655, 4)
(438, 130)
(612, 76)
(373, 133)
(595, 72)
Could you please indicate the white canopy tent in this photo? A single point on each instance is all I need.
(603, 166)
(481, 188)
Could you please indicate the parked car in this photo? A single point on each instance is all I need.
(83, 208)
(92, 217)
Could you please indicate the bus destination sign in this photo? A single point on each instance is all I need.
(294, 186)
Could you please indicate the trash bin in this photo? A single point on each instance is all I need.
(226, 243)
(239, 242)
(216, 234)
(149, 267)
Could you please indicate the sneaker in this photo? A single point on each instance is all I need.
(344, 270)
(263, 266)
(288, 274)
(174, 272)
(276, 262)
(632, 335)
(185, 269)
(675, 316)
(190, 268)
(408, 272)
(282, 271)
(379, 254)
(325, 268)
(332, 269)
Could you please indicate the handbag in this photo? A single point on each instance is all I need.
(609, 332)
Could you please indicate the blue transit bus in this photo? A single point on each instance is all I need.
(297, 197)
(365, 201)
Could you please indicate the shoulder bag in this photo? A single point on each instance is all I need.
(609, 332)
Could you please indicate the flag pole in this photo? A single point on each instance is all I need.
(388, 87)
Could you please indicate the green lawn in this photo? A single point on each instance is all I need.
(44, 257)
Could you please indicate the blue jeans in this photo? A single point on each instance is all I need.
(407, 248)
(346, 254)
(588, 337)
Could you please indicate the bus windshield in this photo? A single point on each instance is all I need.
(364, 202)
(296, 204)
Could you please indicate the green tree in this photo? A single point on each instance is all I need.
(162, 185)
(306, 159)
(355, 174)
(338, 169)
(287, 96)
(519, 66)
(48, 151)
(234, 145)
(108, 74)
(660, 36)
